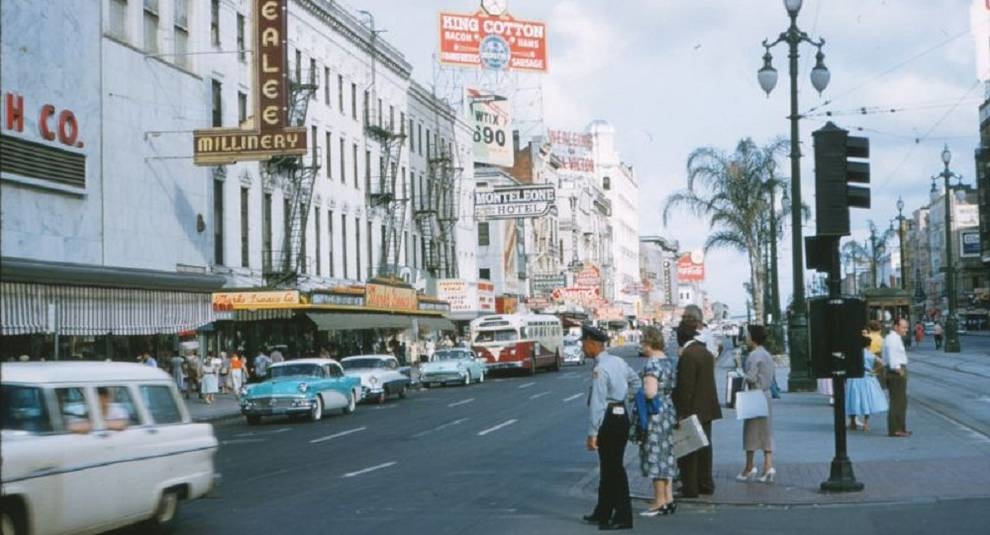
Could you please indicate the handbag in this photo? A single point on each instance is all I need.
(751, 404)
(689, 436)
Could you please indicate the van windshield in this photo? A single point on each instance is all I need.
(500, 335)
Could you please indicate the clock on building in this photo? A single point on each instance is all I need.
(494, 8)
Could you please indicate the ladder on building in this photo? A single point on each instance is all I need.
(296, 180)
(385, 197)
(438, 215)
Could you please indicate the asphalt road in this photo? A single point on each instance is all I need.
(505, 456)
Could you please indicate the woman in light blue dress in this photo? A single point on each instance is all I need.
(864, 396)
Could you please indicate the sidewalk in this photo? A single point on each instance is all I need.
(942, 460)
(224, 406)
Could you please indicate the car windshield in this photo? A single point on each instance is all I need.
(501, 335)
(570, 342)
(295, 369)
(353, 364)
(452, 355)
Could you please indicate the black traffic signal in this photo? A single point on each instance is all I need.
(836, 326)
(833, 172)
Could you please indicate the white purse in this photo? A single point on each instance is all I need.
(751, 404)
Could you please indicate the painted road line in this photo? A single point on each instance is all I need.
(496, 428)
(540, 395)
(572, 398)
(370, 469)
(526, 385)
(439, 427)
(335, 435)
(461, 402)
(258, 433)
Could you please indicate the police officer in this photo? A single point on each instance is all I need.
(611, 382)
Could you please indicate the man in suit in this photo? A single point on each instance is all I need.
(696, 393)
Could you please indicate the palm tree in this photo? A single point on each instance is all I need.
(730, 191)
(851, 252)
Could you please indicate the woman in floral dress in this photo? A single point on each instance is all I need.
(654, 422)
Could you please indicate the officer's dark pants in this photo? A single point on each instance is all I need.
(696, 468)
(613, 485)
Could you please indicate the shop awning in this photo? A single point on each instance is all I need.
(87, 310)
(346, 321)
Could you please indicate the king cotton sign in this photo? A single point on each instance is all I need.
(497, 43)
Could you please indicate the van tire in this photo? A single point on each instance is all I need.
(167, 510)
(12, 518)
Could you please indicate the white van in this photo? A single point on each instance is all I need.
(92, 446)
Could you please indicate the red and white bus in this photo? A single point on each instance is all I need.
(519, 341)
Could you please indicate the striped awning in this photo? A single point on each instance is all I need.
(90, 310)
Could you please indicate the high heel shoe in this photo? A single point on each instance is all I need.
(747, 476)
(768, 476)
(669, 508)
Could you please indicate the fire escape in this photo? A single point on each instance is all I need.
(437, 213)
(383, 195)
(296, 180)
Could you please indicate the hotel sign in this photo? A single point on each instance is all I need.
(514, 202)
(271, 135)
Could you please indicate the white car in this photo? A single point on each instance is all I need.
(572, 351)
(380, 376)
(93, 446)
(452, 366)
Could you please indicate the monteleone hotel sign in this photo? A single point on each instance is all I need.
(271, 134)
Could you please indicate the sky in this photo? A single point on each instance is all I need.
(675, 75)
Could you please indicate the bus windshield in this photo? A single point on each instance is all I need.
(500, 335)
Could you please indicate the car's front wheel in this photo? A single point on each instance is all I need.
(316, 413)
(467, 378)
(351, 403)
(481, 377)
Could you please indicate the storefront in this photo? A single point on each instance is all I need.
(60, 311)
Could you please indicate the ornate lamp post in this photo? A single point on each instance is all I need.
(873, 255)
(951, 321)
(900, 239)
(800, 379)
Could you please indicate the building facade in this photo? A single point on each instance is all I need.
(658, 272)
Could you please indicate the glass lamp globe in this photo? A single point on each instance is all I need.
(767, 75)
(793, 6)
(946, 155)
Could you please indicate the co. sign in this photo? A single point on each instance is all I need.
(52, 123)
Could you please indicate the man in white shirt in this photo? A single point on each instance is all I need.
(895, 360)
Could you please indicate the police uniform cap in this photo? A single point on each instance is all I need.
(593, 333)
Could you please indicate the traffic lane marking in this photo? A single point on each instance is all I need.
(541, 394)
(370, 469)
(335, 435)
(571, 398)
(256, 433)
(526, 385)
(439, 427)
(497, 427)
(461, 402)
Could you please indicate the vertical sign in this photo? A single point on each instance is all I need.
(489, 114)
(272, 135)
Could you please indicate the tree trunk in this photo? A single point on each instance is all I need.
(757, 276)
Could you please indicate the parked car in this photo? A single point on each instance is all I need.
(572, 351)
(93, 446)
(456, 365)
(303, 387)
(380, 376)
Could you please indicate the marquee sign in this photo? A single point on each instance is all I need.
(272, 135)
(514, 202)
(227, 301)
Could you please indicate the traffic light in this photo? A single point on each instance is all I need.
(834, 170)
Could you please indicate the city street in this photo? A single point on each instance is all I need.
(507, 456)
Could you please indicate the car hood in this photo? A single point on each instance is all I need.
(365, 373)
(280, 386)
(440, 366)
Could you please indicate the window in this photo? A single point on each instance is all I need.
(357, 245)
(181, 23)
(427, 143)
(391, 119)
(367, 112)
(343, 242)
(151, 26)
(121, 406)
(319, 244)
(484, 238)
(419, 137)
(326, 86)
(298, 78)
(485, 274)
(340, 92)
(303, 249)
(245, 251)
(371, 261)
(286, 220)
(161, 404)
(379, 113)
(405, 189)
(312, 74)
(353, 101)
(405, 247)
(215, 22)
(412, 138)
(24, 409)
(367, 170)
(73, 409)
(241, 108)
(330, 241)
(343, 164)
(354, 157)
(217, 104)
(329, 165)
(118, 19)
(315, 148)
(241, 49)
(218, 222)
(266, 231)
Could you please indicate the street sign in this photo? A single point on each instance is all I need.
(514, 202)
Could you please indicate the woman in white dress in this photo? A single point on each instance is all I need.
(211, 383)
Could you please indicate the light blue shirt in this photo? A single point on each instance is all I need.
(611, 382)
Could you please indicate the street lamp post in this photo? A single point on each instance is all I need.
(900, 239)
(800, 379)
(951, 322)
(873, 255)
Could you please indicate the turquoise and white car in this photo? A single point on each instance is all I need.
(452, 366)
(305, 387)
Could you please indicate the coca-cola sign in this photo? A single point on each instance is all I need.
(691, 267)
